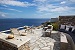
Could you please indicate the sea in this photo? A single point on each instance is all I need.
(6, 24)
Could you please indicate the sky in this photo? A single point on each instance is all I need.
(36, 8)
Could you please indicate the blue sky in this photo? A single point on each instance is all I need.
(36, 8)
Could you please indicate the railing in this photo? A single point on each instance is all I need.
(17, 28)
(5, 31)
(9, 30)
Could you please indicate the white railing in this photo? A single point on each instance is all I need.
(17, 28)
(9, 30)
(5, 31)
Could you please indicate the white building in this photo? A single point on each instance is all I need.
(54, 19)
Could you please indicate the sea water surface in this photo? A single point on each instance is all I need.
(6, 24)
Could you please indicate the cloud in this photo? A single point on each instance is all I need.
(44, 5)
(72, 0)
(14, 10)
(2, 14)
(5, 5)
(39, 0)
(11, 9)
(46, 8)
(49, 7)
(15, 3)
(60, 9)
(63, 2)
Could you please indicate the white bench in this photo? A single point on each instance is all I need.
(63, 42)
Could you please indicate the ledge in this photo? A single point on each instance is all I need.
(17, 41)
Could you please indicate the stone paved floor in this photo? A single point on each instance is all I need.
(39, 42)
(43, 43)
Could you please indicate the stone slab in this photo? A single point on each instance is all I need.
(17, 41)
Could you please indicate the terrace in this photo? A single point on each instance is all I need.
(36, 38)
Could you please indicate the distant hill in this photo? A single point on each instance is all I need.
(67, 20)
